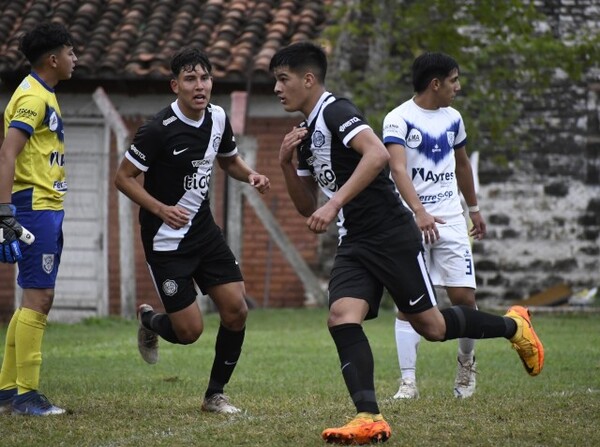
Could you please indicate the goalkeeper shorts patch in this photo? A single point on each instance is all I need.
(39, 266)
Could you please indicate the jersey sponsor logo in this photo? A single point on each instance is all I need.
(48, 263)
(435, 198)
(137, 152)
(198, 163)
(24, 113)
(169, 120)
(349, 123)
(318, 139)
(414, 138)
(432, 176)
(56, 158)
(325, 177)
(60, 186)
(180, 151)
(197, 182)
(216, 142)
(169, 287)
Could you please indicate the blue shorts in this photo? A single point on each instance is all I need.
(39, 266)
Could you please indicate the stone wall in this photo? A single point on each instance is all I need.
(543, 205)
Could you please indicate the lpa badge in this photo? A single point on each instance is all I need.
(48, 263)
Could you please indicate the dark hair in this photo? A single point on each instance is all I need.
(187, 58)
(429, 66)
(301, 56)
(42, 39)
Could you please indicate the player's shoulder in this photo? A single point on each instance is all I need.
(402, 110)
(452, 112)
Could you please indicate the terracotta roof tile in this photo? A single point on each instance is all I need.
(134, 39)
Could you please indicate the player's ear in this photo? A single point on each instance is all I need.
(174, 86)
(309, 80)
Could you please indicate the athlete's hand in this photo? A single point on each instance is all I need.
(174, 216)
(290, 143)
(260, 182)
(321, 218)
(10, 232)
(427, 224)
(479, 229)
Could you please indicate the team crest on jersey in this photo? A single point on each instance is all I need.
(48, 263)
(216, 142)
(318, 139)
(169, 287)
(450, 136)
(414, 138)
(53, 121)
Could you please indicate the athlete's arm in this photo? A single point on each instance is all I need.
(425, 221)
(301, 189)
(11, 147)
(239, 170)
(374, 159)
(126, 182)
(464, 178)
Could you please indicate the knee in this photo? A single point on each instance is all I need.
(432, 332)
(189, 335)
(235, 319)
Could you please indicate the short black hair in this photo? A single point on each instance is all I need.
(187, 58)
(302, 56)
(429, 66)
(43, 39)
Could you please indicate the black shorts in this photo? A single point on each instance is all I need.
(174, 273)
(392, 259)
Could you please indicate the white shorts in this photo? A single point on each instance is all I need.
(449, 260)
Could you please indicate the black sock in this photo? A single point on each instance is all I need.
(462, 321)
(228, 349)
(161, 324)
(356, 361)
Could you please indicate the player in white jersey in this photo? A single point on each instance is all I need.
(176, 150)
(426, 139)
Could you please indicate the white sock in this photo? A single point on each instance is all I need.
(407, 343)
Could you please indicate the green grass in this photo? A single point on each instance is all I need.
(289, 383)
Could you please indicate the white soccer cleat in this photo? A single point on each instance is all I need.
(408, 390)
(147, 339)
(219, 403)
(465, 381)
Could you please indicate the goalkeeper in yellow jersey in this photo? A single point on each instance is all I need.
(32, 189)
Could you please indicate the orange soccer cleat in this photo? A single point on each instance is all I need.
(365, 428)
(525, 341)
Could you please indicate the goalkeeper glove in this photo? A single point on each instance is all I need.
(10, 231)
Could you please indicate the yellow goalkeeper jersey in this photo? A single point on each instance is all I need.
(40, 166)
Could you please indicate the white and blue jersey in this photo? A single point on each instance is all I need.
(430, 138)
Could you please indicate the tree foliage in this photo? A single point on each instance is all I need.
(508, 51)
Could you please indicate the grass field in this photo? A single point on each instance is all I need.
(289, 384)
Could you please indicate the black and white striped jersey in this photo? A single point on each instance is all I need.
(177, 155)
(327, 156)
